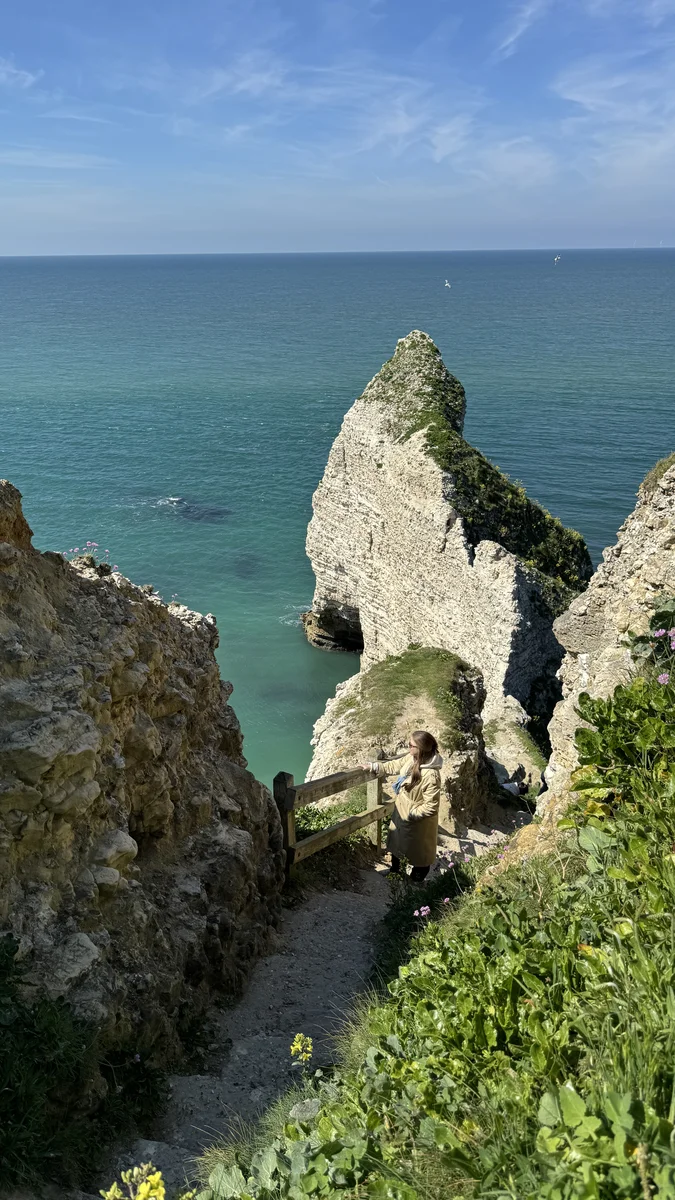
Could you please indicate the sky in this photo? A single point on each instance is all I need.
(196, 126)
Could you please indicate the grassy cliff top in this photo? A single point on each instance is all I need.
(389, 688)
(423, 395)
(415, 379)
(653, 478)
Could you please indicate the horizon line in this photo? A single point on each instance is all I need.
(323, 253)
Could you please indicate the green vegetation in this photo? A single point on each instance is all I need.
(45, 1059)
(423, 395)
(416, 373)
(49, 1062)
(495, 508)
(388, 685)
(526, 1050)
(653, 478)
(337, 866)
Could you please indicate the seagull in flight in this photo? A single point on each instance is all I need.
(556, 259)
(448, 284)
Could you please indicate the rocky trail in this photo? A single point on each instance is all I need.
(320, 964)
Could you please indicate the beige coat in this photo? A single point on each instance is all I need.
(413, 832)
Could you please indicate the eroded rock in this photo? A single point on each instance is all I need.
(121, 771)
(623, 594)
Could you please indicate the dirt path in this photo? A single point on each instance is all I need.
(321, 964)
(307, 984)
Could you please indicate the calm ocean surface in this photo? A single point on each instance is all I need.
(223, 381)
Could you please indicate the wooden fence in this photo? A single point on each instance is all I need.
(291, 796)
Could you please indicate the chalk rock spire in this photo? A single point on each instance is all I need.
(417, 539)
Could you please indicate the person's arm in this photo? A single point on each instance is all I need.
(391, 766)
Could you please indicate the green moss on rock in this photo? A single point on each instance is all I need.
(422, 395)
(653, 478)
(387, 686)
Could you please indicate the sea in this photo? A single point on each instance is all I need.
(178, 411)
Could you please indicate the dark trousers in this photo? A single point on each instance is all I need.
(417, 875)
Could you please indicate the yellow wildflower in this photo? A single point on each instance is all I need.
(302, 1047)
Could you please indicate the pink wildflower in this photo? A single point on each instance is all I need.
(663, 678)
(425, 910)
(467, 858)
(659, 632)
(446, 899)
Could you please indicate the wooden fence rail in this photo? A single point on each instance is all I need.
(289, 796)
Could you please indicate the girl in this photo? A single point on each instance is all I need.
(413, 832)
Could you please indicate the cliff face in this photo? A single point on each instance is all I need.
(622, 596)
(416, 538)
(140, 862)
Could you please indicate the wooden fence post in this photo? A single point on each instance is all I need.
(374, 794)
(284, 794)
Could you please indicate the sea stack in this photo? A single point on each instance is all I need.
(140, 862)
(416, 539)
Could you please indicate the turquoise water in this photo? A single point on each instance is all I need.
(223, 380)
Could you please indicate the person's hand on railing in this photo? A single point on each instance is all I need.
(367, 767)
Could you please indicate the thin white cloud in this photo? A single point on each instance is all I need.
(53, 160)
(522, 20)
(16, 77)
(69, 115)
(450, 137)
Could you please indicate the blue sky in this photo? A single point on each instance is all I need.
(196, 126)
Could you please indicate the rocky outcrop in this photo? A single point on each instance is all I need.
(622, 596)
(417, 538)
(374, 712)
(140, 862)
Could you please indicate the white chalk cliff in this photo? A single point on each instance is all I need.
(622, 596)
(417, 539)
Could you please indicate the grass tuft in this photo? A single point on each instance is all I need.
(653, 478)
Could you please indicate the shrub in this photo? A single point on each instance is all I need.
(46, 1059)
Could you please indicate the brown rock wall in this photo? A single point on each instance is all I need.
(140, 862)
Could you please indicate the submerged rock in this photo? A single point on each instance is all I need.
(140, 862)
(417, 538)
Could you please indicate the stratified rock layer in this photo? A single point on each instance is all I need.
(622, 596)
(140, 862)
(417, 539)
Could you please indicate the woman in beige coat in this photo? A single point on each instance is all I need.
(413, 832)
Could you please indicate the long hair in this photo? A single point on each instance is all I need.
(427, 747)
